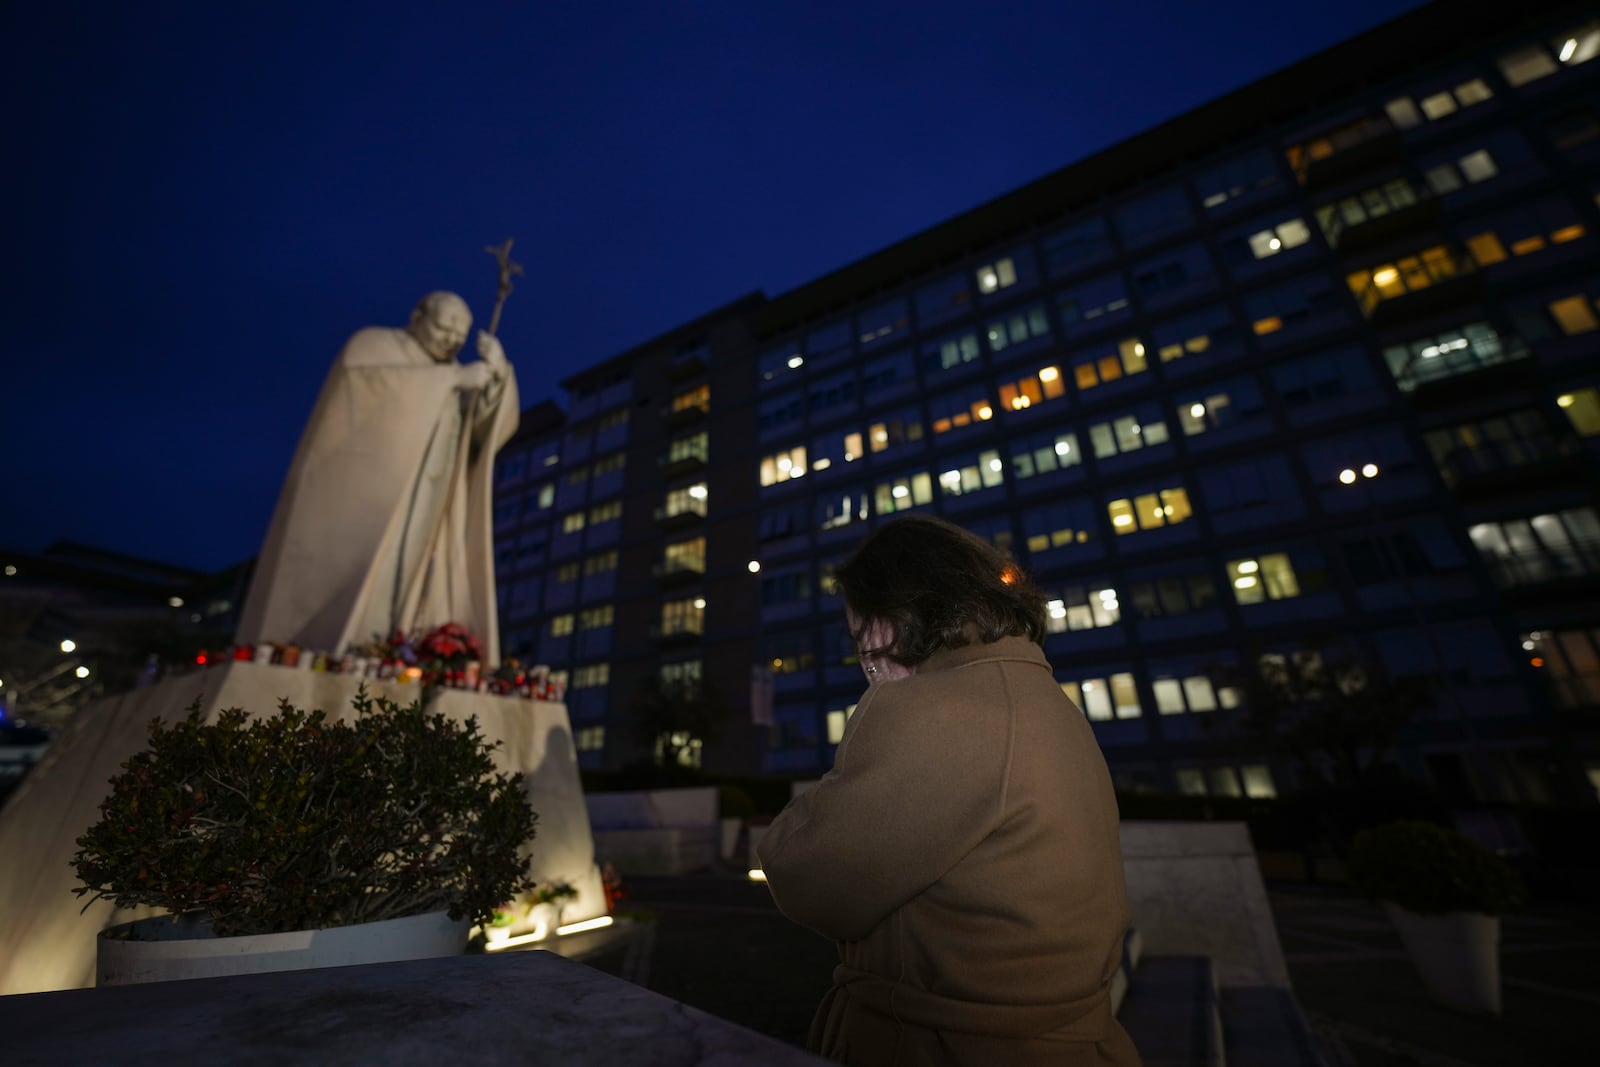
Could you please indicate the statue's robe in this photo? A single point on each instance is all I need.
(385, 521)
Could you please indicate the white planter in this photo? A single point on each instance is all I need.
(1458, 955)
(730, 836)
(164, 950)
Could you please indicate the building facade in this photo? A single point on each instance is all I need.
(1295, 393)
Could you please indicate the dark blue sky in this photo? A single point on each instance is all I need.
(203, 203)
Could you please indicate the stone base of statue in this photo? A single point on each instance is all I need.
(47, 938)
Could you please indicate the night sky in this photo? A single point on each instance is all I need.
(203, 203)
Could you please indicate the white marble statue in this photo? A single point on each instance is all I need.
(384, 522)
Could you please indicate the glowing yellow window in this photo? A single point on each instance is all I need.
(1168, 353)
(1052, 383)
(1567, 233)
(1084, 373)
(1122, 520)
(1148, 508)
(1486, 249)
(1270, 324)
(1527, 244)
(1019, 395)
(1175, 505)
(1110, 368)
(1132, 353)
(1574, 315)
(1582, 408)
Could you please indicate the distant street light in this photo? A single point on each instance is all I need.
(68, 645)
(82, 672)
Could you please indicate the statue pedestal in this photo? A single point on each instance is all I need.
(45, 943)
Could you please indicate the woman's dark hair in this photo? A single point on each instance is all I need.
(938, 587)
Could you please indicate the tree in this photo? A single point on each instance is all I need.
(676, 718)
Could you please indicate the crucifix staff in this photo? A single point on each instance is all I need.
(508, 268)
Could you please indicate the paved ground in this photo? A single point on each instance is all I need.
(715, 941)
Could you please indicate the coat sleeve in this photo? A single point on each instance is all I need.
(916, 785)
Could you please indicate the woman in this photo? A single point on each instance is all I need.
(964, 849)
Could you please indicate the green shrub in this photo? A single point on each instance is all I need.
(293, 822)
(1431, 870)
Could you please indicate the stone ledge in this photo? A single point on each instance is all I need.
(511, 1008)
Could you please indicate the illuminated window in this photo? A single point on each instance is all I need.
(782, 466)
(1129, 359)
(1270, 577)
(588, 677)
(791, 652)
(683, 616)
(953, 411)
(1568, 663)
(841, 509)
(1105, 698)
(1127, 433)
(1207, 413)
(950, 353)
(892, 432)
(1018, 327)
(688, 500)
(1582, 408)
(1195, 333)
(1406, 275)
(1043, 453)
(685, 556)
(902, 493)
(561, 625)
(1191, 693)
(596, 618)
(1032, 390)
(882, 322)
(985, 472)
(1302, 156)
(572, 523)
(1058, 525)
(1263, 244)
(836, 721)
(1404, 113)
(1529, 63)
(611, 509)
(1447, 354)
(1166, 507)
(1478, 166)
(1369, 204)
(600, 563)
(1574, 315)
(1000, 274)
(567, 572)
(693, 446)
(589, 738)
(698, 397)
(606, 464)
(1081, 607)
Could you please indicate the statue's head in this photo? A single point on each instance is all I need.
(440, 323)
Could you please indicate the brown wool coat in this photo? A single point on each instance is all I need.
(964, 852)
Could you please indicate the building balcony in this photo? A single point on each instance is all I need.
(686, 365)
(677, 573)
(1376, 232)
(1417, 286)
(1566, 577)
(1486, 474)
(680, 518)
(1368, 145)
(677, 466)
(1493, 379)
(676, 633)
(687, 415)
